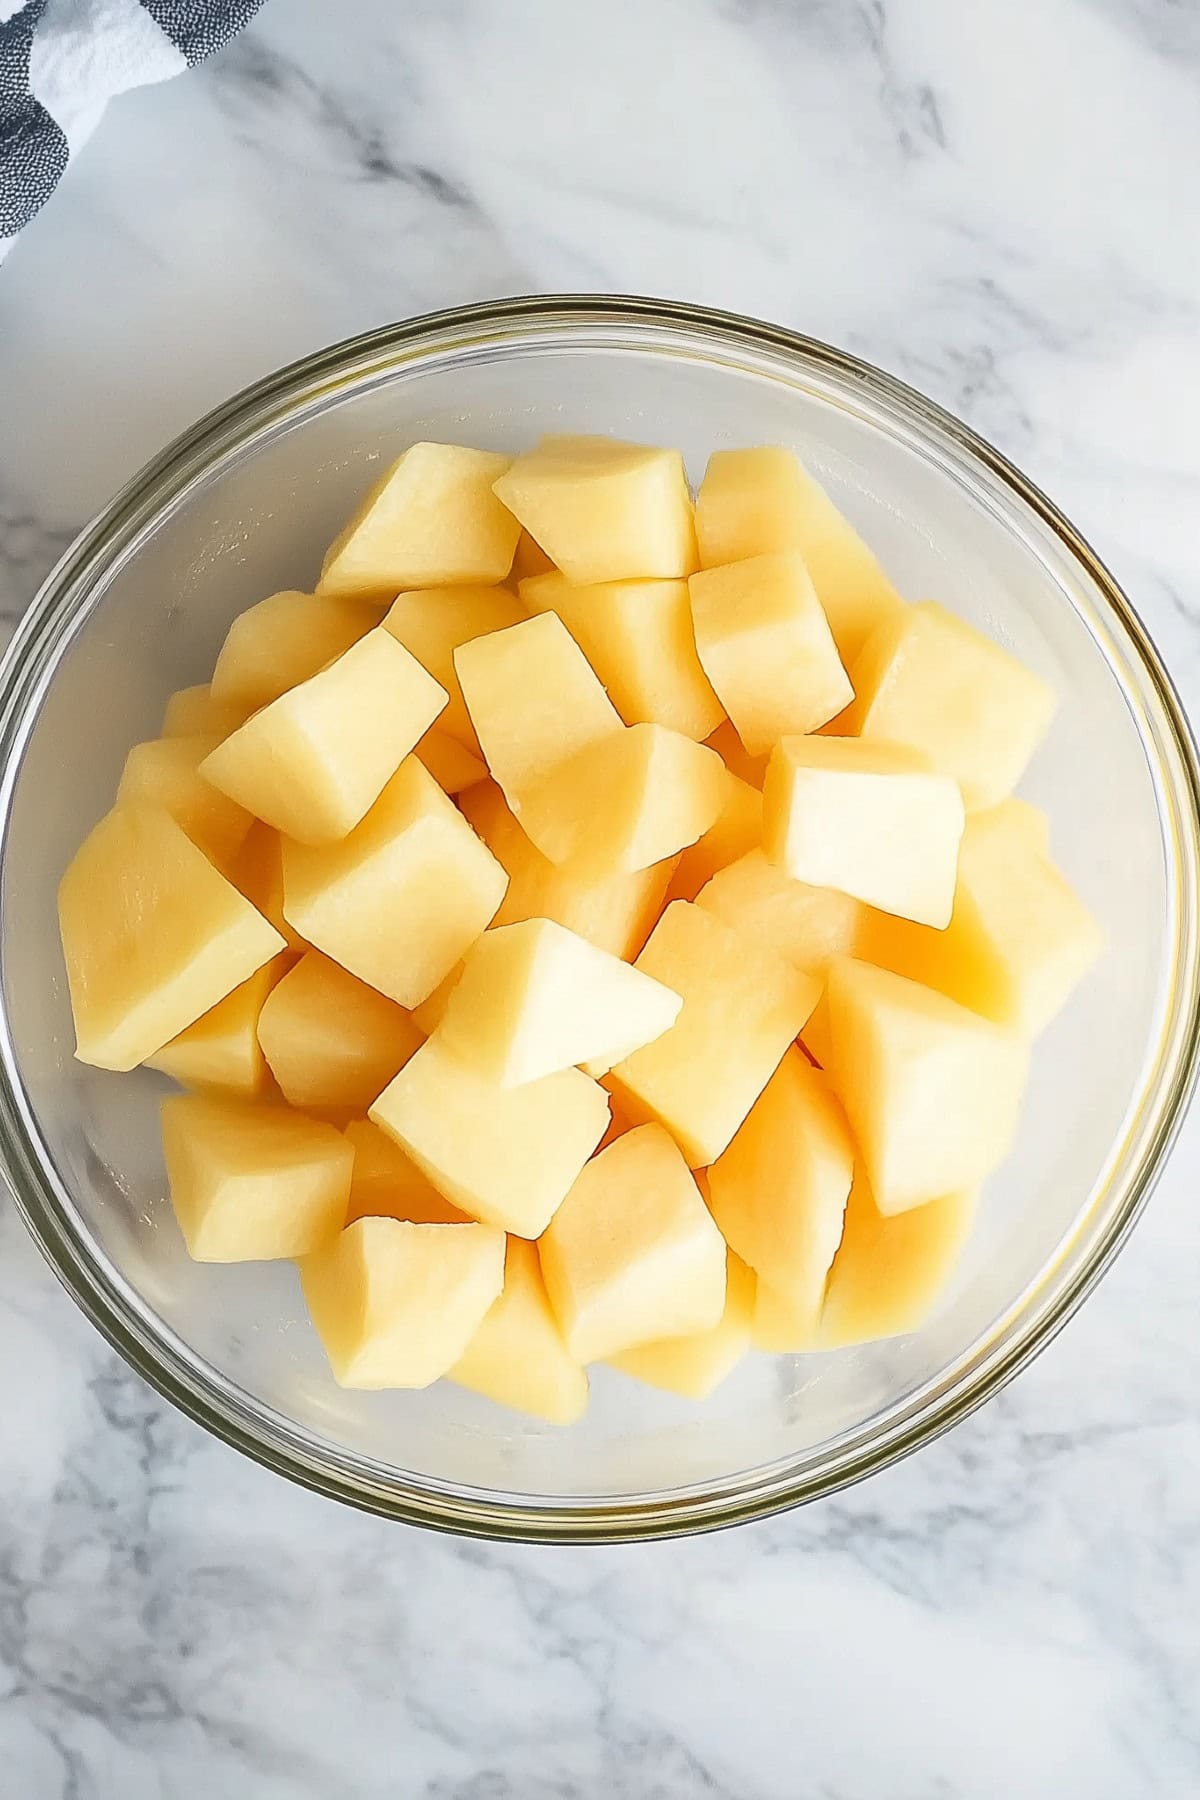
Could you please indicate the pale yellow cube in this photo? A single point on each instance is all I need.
(396, 1303)
(755, 502)
(166, 772)
(604, 510)
(431, 520)
(249, 1181)
(314, 761)
(518, 1357)
(452, 765)
(330, 1040)
(632, 1254)
(932, 1091)
(1019, 939)
(221, 1051)
(806, 926)
(192, 712)
(779, 1191)
(697, 1364)
(870, 819)
(387, 1184)
(534, 700)
(280, 642)
(742, 1007)
(891, 1270)
(627, 801)
(766, 646)
(401, 899)
(928, 679)
(505, 1155)
(433, 622)
(638, 637)
(616, 911)
(734, 833)
(153, 937)
(534, 998)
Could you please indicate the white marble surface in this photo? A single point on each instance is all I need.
(997, 202)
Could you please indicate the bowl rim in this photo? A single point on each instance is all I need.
(268, 1437)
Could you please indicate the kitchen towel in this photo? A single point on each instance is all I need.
(61, 61)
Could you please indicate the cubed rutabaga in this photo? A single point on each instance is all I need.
(534, 998)
(431, 520)
(632, 1253)
(153, 937)
(604, 510)
(313, 762)
(402, 898)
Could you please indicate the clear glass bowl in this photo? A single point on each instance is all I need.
(243, 504)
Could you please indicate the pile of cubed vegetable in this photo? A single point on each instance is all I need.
(592, 926)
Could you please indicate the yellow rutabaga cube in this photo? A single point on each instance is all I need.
(534, 998)
(505, 1155)
(779, 1191)
(431, 520)
(932, 1091)
(742, 1007)
(166, 772)
(152, 935)
(330, 1040)
(627, 801)
(928, 679)
(603, 510)
(221, 1050)
(192, 712)
(696, 1364)
(517, 1356)
(1019, 939)
(891, 1268)
(755, 502)
(280, 642)
(632, 1254)
(638, 637)
(396, 1303)
(534, 700)
(432, 623)
(766, 646)
(806, 926)
(614, 911)
(253, 1181)
(312, 762)
(401, 899)
(872, 820)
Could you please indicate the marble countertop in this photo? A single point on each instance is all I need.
(996, 202)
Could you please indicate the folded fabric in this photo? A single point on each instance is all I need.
(61, 61)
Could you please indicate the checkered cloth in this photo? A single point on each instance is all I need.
(61, 61)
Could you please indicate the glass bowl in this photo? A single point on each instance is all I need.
(243, 504)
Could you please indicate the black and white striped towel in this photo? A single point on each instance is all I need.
(61, 61)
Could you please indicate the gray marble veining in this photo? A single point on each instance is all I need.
(996, 202)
